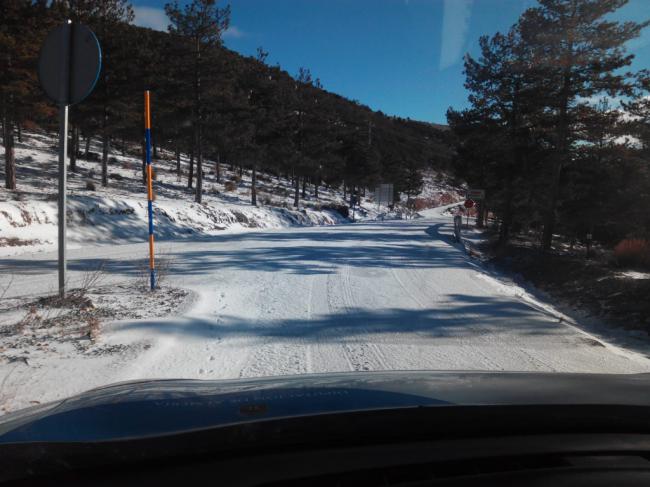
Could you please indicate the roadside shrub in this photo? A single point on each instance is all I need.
(633, 252)
(164, 266)
(241, 217)
(280, 191)
(423, 203)
(90, 185)
(115, 176)
(230, 186)
(235, 178)
(446, 199)
(343, 210)
(31, 126)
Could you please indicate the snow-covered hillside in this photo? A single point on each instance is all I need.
(117, 213)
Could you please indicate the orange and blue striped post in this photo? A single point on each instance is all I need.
(147, 136)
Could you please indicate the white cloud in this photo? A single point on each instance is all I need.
(233, 33)
(154, 18)
(455, 22)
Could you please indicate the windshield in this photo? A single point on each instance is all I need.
(212, 190)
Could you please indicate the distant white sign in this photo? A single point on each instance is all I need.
(384, 194)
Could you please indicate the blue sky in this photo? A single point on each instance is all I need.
(403, 57)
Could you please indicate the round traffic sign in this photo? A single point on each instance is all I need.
(69, 63)
(469, 203)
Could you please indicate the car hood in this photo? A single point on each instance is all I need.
(159, 407)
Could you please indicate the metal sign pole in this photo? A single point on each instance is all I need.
(68, 68)
(63, 150)
(64, 96)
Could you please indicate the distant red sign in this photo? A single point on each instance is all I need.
(469, 203)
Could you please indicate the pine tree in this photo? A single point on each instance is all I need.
(22, 28)
(581, 51)
(199, 25)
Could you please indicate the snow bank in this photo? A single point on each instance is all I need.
(118, 212)
(32, 225)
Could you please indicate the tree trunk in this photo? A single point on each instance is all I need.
(197, 121)
(190, 176)
(10, 160)
(316, 188)
(20, 133)
(74, 148)
(144, 162)
(87, 148)
(217, 168)
(344, 192)
(304, 187)
(254, 186)
(105, 138)
(506, 223)
(296, 195)
(199, 169)
(479, 216)
(558, 162)
(178, 161)
(105, 158)
(549, 217)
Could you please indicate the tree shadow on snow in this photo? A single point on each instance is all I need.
(459, 316)
(295, 252)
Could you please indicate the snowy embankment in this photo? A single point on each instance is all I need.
(117, 213)
(29, 226)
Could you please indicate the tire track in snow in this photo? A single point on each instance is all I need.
(277, 354)
(414, 292)
(360, 355)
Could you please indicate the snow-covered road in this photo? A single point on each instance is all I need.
(381, 295)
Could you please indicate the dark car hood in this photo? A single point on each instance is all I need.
(158, 407)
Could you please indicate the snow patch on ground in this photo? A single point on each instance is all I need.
(633, 275)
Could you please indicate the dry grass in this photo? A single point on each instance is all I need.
(163, 266)
(93, 328)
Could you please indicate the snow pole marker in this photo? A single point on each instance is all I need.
(147, 136)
